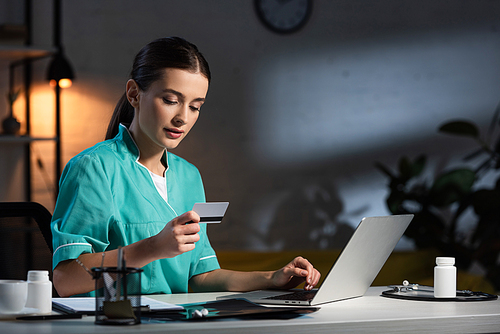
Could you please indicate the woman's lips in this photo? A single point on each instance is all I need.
(173, 133)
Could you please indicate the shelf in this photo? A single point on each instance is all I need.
(22, 139)
(14, 32)
(16, 50)
(10, 53)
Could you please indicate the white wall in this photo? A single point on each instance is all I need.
(293, 124)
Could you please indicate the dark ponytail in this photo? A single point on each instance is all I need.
(123, 113)
(149, 63)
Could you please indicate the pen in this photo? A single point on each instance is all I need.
(51, 317)
(62, 308)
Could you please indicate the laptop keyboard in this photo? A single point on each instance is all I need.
(297, 295)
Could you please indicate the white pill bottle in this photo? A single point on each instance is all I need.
(445, 278)
(39, 291)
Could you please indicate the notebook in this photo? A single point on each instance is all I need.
(354, 270)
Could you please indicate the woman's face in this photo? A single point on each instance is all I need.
(168, 109)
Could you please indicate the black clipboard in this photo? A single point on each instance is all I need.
(228, 308)
(426, 293)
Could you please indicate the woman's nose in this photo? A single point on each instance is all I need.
(181, 117)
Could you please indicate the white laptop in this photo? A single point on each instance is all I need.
(354, 270)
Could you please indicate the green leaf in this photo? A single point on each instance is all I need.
(394, 202)
(451, 187)
(405, 168)
(384, 170)
(460, 128)
(418, 165)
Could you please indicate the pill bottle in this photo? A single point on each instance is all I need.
(445, 278)
(39, 291)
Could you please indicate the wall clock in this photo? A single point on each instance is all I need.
(283, 16)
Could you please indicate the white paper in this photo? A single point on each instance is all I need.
(157, 305)
(87, 304)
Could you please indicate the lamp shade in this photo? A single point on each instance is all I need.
(60, 71)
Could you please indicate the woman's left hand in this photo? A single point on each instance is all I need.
(299, 270)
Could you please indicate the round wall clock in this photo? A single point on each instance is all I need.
(283, 16)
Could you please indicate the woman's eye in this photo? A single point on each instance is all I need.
(194, 108)
(167, 101)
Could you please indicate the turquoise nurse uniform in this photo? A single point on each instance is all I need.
(108, 199)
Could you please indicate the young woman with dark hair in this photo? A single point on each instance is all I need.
(129, 191)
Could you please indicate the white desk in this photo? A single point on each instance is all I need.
(369, 314)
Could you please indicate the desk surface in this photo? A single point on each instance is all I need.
(370, 313)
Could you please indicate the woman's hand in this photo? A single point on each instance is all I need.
(297, 271)
(178, 236)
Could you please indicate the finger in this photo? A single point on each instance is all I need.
(313, 275)
(189, 229)
(296, 272)
(188, 239)
(305, 264)
(186, 248)
(185, 243)
(186, 232)
(314, 280)
(186, 218)
(317, 277)
(311, 272)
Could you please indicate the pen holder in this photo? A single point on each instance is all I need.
(117, 296)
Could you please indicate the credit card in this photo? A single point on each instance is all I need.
(211, 212)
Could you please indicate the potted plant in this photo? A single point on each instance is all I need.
(453, 192)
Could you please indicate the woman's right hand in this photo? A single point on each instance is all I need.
(178, 236)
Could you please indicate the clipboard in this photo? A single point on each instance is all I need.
(228, 308)
(426, 293)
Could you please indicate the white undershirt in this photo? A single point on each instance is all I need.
(160, 184)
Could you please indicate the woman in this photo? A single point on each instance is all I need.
(121, 192)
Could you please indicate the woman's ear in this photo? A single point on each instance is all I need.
(132, 91)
